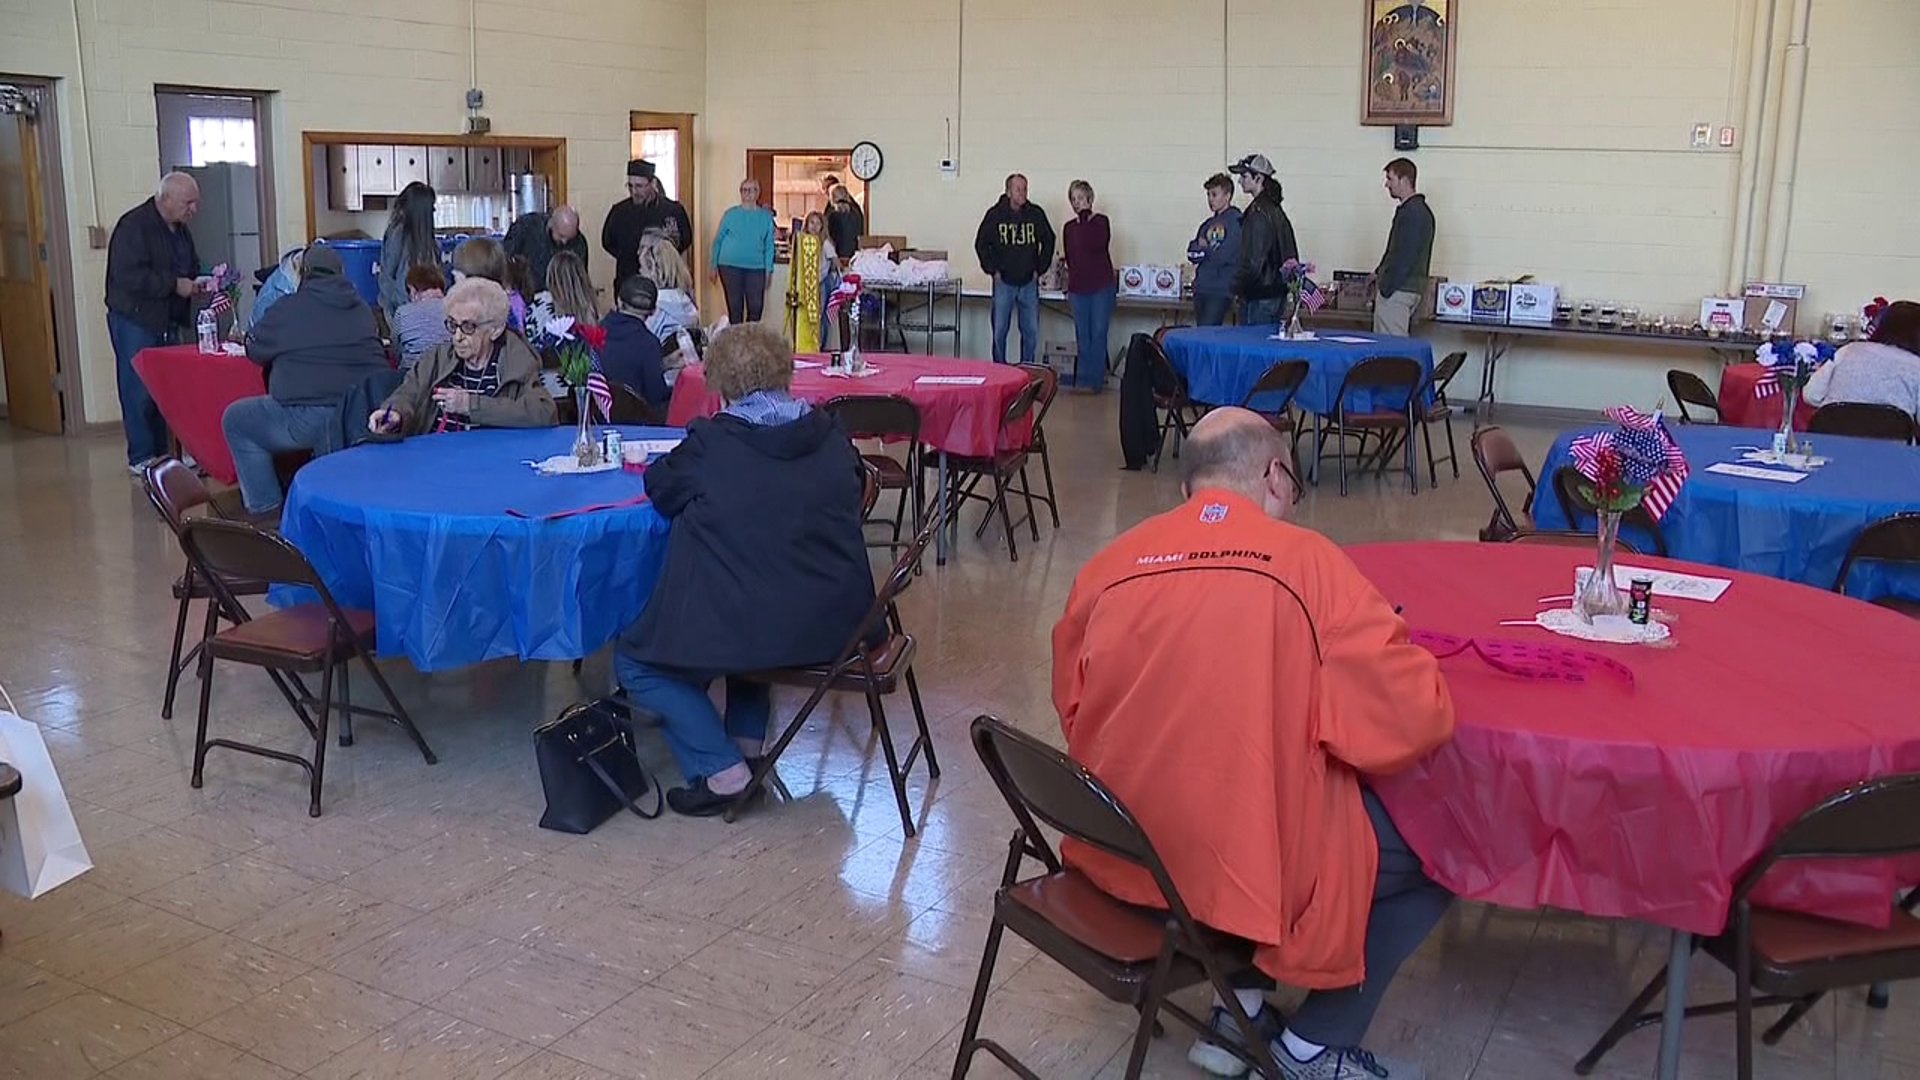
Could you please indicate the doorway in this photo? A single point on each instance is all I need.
(36, 283)
(223, 139)
(666, 139)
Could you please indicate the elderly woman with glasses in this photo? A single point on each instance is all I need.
(766, 565)
(486, 376)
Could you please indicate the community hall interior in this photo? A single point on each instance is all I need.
(1661, 321)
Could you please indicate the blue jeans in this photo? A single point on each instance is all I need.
(146, 431)
(1210, 309)
(258, 428)
(746, 291)
(1262, 312)
(701, 741)
(1006, 299)
(1092, 315)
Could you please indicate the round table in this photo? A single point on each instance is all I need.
(1740, 407)
(1648, 802)
(192, 389)
(1221, 363)
(1795, 531)
(465, 554)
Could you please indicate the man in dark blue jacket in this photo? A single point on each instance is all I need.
(319, 343)
(632, 355)
(151, 274)
(766, 564)
(1215, 254)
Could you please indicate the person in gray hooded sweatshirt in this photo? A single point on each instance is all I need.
(318, 343)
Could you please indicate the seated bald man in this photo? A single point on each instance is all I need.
(1234, 679)
(539, 235)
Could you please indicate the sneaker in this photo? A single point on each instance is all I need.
(1217, 1060)
(138, 469)
(1343, 1063)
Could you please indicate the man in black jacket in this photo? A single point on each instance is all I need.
(540, 235)
(1266, 243)
(645, 207)
(766, 564)
(151, 274)
(320, 342)
(1015, 246)
(1402, 274)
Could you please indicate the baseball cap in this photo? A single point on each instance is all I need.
(1252, 163)
(640, 292)
(321, 260)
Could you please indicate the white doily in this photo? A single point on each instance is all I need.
(1617, 629)
(568, 465)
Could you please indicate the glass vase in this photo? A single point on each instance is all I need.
(586, 449)
(1599, 595)
(1786, 440)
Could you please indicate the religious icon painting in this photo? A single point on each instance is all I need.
(1409, 63)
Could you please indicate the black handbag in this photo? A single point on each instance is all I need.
(588, 768)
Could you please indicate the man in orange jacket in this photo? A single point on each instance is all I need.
(1233, 678)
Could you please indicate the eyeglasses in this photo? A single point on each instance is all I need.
(1293, 479)
(467, 327)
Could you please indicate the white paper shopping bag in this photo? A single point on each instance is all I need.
(40, 844)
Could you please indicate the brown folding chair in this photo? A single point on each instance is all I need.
(1495, 453)
(176, 491)
(1563, 538)
(966, 473)
(1894, 539)
(1578, 509)
(631, 408)
(873, 673)
(1439, 409)
(1393, 427)
(1284, 378)
(316, 636)
(1795, 959)
(1134, 956)
(1049, 381)
(1689, 389)
(1171, 399)
(1862, 421)
(892, 418)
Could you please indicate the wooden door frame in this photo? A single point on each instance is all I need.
(263, 157)
(53, 197)
(689, 193)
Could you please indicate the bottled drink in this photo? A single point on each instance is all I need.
(209, 330)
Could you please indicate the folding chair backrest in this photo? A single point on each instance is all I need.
(1891, 539)
(1021, 405)
(1862, 421)
(1494, 453)
(1689, 389)
(174, 490)
(631, 408)
(1875, 819)
(869, 489)
(876, 416)
(1383, 373)
(1039, 782)
(1444, 371)
(1164, 373)
(1285, 377)
(1049, 382)
(234, 549)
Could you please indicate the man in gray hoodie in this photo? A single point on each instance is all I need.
(317, 343)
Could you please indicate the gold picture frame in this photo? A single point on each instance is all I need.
(1407, 65)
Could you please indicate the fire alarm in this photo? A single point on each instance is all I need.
(1406, 137)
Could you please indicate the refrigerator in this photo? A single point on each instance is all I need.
(227, 228)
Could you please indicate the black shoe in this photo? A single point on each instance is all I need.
(698, 800)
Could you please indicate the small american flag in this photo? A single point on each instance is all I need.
(1310, 295)
(844, 293)
(1644, 442)
(220, 304)
(599, 390)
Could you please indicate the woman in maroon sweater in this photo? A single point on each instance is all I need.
(1091, 286)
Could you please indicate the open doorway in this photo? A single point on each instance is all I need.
(666, 140)
(795, 183)
(42, 383)
(223, 139)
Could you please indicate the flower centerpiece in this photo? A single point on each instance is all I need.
(223, 288)
(1297, 277)
(1870, 313)
(576, 347)
(1789, 365)
(847, 294)
(1635, 463)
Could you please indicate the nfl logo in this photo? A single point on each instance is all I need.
(1213, 513)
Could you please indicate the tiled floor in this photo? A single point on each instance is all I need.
(424, 928)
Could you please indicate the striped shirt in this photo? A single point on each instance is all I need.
(482, 383)
(419, 325)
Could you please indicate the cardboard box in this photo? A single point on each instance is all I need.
(1490, 301)
(1136, 280)
(1531, 304)
(1724, 312)
(1163, 281)
(1453, 300)
(1061, 356)
(1772, 308)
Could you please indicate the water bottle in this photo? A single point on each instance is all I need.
(209, 328)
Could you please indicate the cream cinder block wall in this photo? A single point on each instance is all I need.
(569, 68)
(1568, 157)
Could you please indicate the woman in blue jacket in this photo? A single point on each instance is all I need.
(743, 254)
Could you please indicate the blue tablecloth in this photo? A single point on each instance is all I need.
(1221, 363)
(419, 532)
(1798, 531)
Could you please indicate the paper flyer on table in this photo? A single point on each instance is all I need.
(808, 364)
(1667, 583)
(653, 447)
(1726, 468)
(1352, 340)
(951, 380)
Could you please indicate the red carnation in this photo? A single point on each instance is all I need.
(594, 335)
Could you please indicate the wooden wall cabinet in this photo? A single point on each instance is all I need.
(410, 166)
(485, 175)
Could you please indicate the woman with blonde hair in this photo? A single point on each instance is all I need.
(569, 292)
(1092, 286)
(661, 263)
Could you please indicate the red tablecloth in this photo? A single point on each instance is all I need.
(193, 390)
(1649, 802)
(957, 419)
(1740, 408)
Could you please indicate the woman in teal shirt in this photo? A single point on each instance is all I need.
(743, 254)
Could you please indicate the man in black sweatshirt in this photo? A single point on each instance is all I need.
(318, 343)
(1266, 243)
(1015, 246)
(1402, 274)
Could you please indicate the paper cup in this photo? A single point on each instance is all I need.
(633, 455)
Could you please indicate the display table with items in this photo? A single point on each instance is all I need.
(1631, 781)
(1790, 523)
(193, 390)
(1221, 363)
(465, 552)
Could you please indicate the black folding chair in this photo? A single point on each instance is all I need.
(1579, 509)
(175, 492)
(1172, 400)
(891, 418)
(1391, 376)
(317, 636)
(1134, 956)
(1795, 959)
(1862, 421)
(965, 474)
(1284, 378)
(1689, 389)
(1049, 381)
(1894, 539)
(1440, 410)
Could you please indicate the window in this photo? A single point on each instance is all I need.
(221, 138)
(661, 146)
